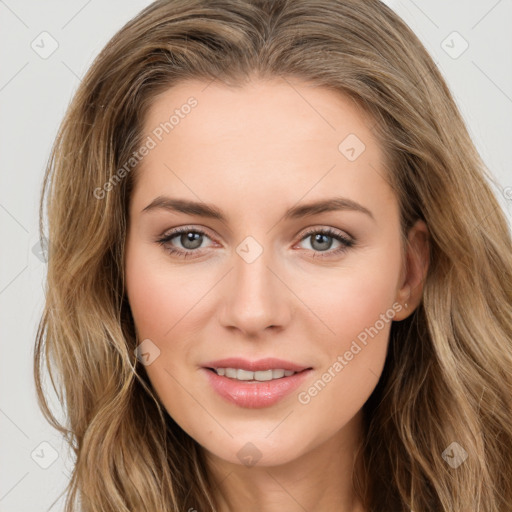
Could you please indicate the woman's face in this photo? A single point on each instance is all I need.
(260, 272)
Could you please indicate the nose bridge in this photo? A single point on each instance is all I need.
(257, 297)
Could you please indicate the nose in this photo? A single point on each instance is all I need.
(256, 297)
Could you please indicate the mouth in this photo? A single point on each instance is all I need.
(257, 384)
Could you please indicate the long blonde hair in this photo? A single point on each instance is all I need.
(448, 372)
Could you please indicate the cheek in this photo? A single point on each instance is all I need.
(355, 297)
(160, 297)
(357, 307)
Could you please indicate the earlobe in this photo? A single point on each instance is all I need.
(416, 267)
(403, 300)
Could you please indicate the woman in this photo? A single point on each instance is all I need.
(278, 277)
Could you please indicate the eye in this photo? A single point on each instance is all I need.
(190, 239)
(321, 240)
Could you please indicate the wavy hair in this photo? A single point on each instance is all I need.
(448, 372)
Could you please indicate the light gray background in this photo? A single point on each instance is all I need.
(34, 93)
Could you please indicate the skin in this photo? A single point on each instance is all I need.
(253, 152)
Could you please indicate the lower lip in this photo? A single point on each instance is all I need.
(255, 395)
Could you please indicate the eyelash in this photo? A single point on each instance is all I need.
(346, 242)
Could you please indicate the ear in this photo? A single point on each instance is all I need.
(414, 270)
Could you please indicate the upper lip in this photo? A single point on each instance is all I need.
(261, 364)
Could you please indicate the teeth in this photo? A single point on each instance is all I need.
(263, 375)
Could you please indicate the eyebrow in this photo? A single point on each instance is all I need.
(295, 212)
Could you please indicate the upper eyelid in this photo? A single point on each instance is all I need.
(184, 229)
(338, 231)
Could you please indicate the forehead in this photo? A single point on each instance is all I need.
(279, 134)
(263, 108)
